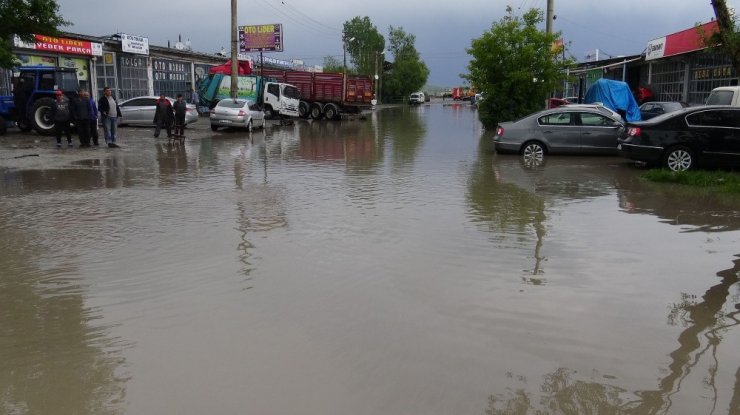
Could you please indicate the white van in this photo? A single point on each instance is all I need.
(725, 95)
(416, 98)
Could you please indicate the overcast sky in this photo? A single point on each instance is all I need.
(443, 29)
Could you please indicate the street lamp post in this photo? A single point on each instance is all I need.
(377, 77)
(344, 65)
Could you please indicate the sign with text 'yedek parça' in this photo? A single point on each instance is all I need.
(261, 38)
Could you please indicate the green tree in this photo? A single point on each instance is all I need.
(364, 44)
(727, 39)
(408, 73)
(515, 66)
(24, 18)
(332, 64)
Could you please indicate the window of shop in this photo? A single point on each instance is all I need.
(708, 71)
(171, 77)
(105, 69)
(134, 76)
(667, 80)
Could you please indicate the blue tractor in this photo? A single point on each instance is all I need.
(33, 95)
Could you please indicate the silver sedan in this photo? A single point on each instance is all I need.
(568, 129)
(237, 113)
(140, 111)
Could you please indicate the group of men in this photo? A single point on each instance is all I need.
(85, 112)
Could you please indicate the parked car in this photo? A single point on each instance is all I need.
(725, 95)
(237, 113)
(574, 129)
(416, 98)
(140, 111)
(684, 139)
(649, 110)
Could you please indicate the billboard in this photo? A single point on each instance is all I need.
(261, 38)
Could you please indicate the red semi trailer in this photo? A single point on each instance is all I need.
(326, 94)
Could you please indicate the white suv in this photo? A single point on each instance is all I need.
(416, 98)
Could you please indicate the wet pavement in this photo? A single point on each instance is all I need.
(388, 265)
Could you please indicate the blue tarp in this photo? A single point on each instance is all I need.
(615, 95)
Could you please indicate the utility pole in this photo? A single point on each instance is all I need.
(550, 16)
(234, 52)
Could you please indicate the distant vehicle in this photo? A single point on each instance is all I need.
(649, 110)
(416, 98)
(457, 94)
(140, 111)
(684, 139)
(568, 129)
(725, 95)
(237, 113)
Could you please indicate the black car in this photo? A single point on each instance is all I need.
(649, 110)
(681, 140)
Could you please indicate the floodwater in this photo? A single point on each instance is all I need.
(393, 266)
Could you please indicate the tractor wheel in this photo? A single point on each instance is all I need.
(303, 109)
(41, 116)
(331, 112)
(316, 113)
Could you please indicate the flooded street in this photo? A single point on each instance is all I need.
(388, 266)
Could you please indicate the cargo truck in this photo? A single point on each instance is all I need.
(327, 94)
(275, 98)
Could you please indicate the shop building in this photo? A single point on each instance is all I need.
(675, 67)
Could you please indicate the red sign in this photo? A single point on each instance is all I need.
(681, 42)
(63, 45)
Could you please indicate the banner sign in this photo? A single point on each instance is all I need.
(135, 44)
(684, 41)
(261, 38)
(61, 45)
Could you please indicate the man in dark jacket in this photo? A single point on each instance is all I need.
(181, 108)
(163, 116)
(109, 115)
(81, 115)
(61, 113)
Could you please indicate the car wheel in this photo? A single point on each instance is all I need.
(249, 126)
(533, 152)
(214, 127)
(679, 158)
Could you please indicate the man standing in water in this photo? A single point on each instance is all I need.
(109, 114)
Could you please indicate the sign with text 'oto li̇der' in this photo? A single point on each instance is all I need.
(261, 38)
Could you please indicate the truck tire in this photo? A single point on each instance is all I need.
(269, 112)
(331, 112)
(303, 109)
(316, 113)
(40, 116)
(3, 125)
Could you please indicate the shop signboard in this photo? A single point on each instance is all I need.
(135, 44)
(261, 38)
(61, 45)
(677, 43)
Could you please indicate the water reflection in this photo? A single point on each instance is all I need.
(707, 323)
(54, 357)
(260, 205)
(405, 132)
(172, 161)
(695, 210)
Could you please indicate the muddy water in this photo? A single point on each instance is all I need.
(387, 266)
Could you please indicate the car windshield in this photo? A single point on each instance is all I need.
(231, 103)
(720, 98)
(672, 106)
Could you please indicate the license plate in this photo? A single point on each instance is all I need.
(225, 121)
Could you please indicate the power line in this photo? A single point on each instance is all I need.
(298, 21)
(309, 17)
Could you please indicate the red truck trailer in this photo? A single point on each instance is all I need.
(326, 94)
